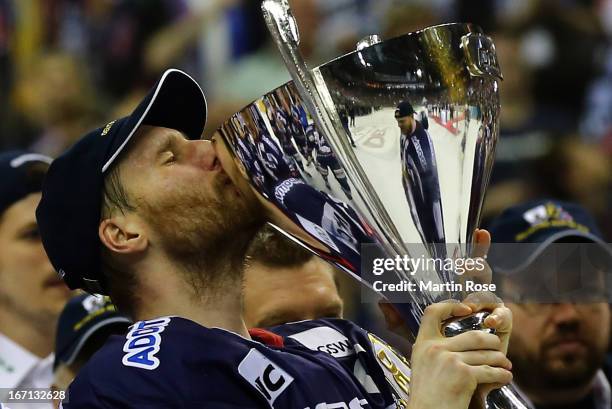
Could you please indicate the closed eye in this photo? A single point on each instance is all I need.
(30, 233)
(168, 157)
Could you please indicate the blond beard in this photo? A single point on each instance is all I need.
(208, 237)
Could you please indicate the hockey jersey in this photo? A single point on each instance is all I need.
(172, 362)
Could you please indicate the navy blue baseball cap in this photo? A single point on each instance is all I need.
(21, 173)
(86, 318)
(69, 212)
(536, 225)
(404, 109)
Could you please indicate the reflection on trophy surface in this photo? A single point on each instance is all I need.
(420, 177)
(290, 165)
(393, 162)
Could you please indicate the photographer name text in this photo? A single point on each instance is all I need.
(405, 285)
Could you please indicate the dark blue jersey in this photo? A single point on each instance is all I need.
(299, 116)
(282, 121)
(421, 184)
(323, 148)
(303, 116)
(173, 362)
(250, 161)
(272, 158)
(333, 222)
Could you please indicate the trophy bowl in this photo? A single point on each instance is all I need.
(384, 153)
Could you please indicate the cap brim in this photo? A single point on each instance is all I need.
(72, 353)
(539, 249)
(176, 102)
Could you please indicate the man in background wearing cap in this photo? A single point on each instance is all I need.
(31, 294)
(420, 175)
(559, 304)
(84, 326)
(142, 209)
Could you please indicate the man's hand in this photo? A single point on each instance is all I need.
(447, 371)
(458, 372)
(500, 320)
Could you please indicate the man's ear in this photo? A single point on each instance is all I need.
(122, 235)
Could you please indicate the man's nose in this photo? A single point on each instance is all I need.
(204, 154)
(565, 313)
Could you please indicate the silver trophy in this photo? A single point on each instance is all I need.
(384, 152)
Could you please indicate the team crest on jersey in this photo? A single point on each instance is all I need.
(143, 343)
(264, 375)
(325, 339)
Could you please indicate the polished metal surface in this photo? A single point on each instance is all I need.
(342, 169)
(368, 41)
(342, 174)
(469, 323)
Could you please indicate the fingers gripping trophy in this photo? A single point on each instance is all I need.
(403, 181)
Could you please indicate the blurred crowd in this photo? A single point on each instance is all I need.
(69, 65)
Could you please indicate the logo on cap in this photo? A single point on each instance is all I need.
(545, 213)
(94, 303)
(107, 128)
(547, 216)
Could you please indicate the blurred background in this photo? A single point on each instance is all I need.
(67, 66)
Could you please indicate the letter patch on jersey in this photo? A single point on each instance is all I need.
(325, 339)
(143, 342)
(264, 375)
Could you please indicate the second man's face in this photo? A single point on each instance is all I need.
(557, 345)
(278, 295)
(29, 286)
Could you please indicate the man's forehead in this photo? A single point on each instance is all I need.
(147, 139)
(22, 212)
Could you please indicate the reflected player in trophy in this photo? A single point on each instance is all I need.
(283, 126)
(328, 219)
(420, 176)
(297, 128)
(271, 156)
(325, 159)
(344, 118)
(247, 156)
